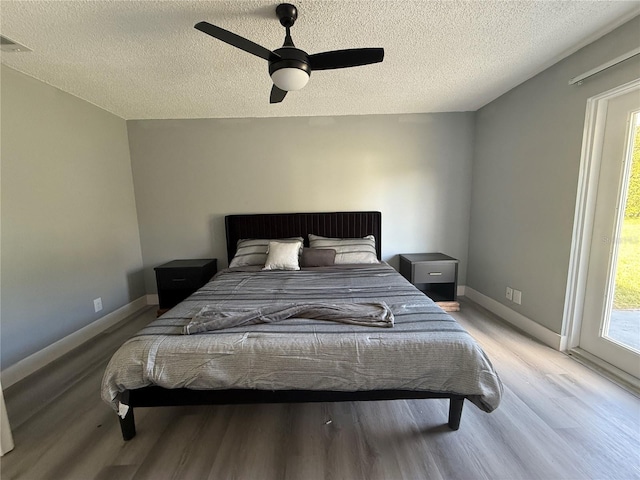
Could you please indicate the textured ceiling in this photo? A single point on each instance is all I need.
(144, 59)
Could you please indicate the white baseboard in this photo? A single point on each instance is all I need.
(152, 299)
(41, 358)
(546, 336)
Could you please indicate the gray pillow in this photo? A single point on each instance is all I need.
(317, 257)
(254, 251)
(348, 250)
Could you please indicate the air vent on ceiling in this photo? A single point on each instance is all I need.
(8, 45)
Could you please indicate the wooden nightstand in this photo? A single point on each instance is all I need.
(178, 279)
(435, 274)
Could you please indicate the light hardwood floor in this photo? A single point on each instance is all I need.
(558, 419)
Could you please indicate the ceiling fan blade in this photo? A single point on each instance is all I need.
(236, 40)
(353, 57)
(277, 95)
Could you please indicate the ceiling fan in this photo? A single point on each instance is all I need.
(289, 66)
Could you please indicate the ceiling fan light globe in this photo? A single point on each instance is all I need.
(290, 79)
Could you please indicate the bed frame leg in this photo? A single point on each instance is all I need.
(455, 412)
(128, 425)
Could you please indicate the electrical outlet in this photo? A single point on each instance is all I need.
(517, 297)
(97, 304)
(509, 294)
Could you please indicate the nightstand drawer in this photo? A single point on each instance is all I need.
(178, 279)
(434, 272)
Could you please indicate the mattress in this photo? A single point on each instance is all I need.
(425, 350)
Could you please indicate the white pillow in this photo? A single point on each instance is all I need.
(348, 250)
(283, 256)
(254, 251)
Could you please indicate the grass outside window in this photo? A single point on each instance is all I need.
(627, 288)
(627, 292)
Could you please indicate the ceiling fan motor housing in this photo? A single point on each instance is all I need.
(287, 14)
(292, 70)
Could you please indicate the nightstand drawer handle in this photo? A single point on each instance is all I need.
(178, 279)
(433, 274)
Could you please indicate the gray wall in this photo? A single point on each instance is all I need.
(525, 176)
(69, 225)
(415, 169)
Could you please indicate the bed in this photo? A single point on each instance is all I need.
(425, 354)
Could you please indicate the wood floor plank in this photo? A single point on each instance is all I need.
(310, 422)
(121, 472)
(558, 419)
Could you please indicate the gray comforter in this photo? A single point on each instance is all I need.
(426, 350)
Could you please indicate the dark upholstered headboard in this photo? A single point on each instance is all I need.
(283, 225)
